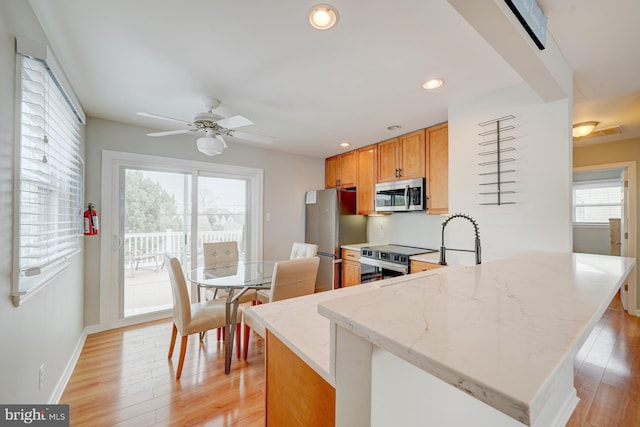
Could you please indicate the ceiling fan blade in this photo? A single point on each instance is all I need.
(234, 122)
(170, 132)
(156, 116)
(222, 139)
(251, 137)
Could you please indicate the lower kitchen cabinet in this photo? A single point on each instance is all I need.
(296, 394)
(350, 267)
(417, 266)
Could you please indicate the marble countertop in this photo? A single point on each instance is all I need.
(498, 330)
(432, 257)
(358, 246)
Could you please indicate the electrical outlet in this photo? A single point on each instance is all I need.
(41, 377)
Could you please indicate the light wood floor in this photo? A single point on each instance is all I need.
(123, 377)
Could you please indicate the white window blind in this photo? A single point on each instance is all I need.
(51, 176)
(597, 201)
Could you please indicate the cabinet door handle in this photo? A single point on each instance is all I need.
(337, 183)
(399, 172)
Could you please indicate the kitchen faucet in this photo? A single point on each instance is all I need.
(443, 250)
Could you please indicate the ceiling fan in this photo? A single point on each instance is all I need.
(214, 127)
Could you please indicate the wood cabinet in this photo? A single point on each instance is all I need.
(341, 170)
(295, 394)
(402, 157)
(366, 179)
(437, 169)
(350, 267)
(417, 266)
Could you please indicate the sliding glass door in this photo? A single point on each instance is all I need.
(155, 221)
(170, 209)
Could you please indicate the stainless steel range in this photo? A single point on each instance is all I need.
(384, 261)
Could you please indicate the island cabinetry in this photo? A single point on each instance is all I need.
(402, 157)
(366, 182)
(341, 170)
(417, 266)
(350, 267)
(437, 173)
(295, 394)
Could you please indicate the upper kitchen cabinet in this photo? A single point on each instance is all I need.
(402, 157)
(437, 161)
(366, 183)
(341, 170)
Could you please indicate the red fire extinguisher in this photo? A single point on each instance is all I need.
(91, 227)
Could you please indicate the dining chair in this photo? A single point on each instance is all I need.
(191, 318)
(303, 250)
(298, 250)
(217, 254)
(290, 279)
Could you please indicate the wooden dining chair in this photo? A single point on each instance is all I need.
(191, 318)
(290, 279)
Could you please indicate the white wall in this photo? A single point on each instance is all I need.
(541, 217)
(286, 179)
(48, 326)
(589, 239)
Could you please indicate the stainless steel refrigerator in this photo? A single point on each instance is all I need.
(331, 222)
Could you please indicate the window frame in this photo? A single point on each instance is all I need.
(21, 288)
(594, 184)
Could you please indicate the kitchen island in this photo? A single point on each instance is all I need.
(491, 344)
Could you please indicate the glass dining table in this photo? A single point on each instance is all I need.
(236, 279)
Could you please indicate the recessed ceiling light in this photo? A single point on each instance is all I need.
(345, 144)
(323, 16)
(433, 84)
(583, 129)
(394, 127)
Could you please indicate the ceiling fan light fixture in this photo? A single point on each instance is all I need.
(210, 146)
(323, 16)
(583, 129)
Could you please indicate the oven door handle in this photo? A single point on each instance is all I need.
(385, 264)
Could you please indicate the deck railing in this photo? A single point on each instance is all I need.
(144, 248)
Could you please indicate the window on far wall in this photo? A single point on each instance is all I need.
(49, 190)
(594, 202)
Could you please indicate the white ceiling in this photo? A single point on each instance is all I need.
(311, 90)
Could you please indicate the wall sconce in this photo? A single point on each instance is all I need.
(583, 129)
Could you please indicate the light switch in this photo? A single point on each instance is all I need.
(268, 216)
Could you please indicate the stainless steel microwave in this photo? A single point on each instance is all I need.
(401, 196)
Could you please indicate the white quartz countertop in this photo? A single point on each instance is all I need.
(499, 331)
(296, 323)
(357, 246)
(433, 258)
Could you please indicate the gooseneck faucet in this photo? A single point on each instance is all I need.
(477, 250)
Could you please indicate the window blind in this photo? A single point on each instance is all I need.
(597, 201)
(51, 176)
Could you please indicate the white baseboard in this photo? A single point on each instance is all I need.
(66, 375)
(94, 329)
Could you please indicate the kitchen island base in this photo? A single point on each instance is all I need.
(403, 394)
